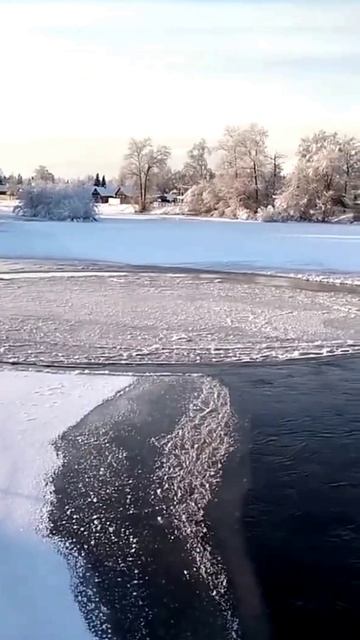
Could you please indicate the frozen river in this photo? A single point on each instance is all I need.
(217, 244)
(139, 317)
(97, 466)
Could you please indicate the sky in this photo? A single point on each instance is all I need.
(79, 78)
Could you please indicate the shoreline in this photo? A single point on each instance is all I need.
(105, 213)
(215, 369)
(311, 281)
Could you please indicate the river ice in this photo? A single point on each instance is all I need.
(333, 251)
(174, 318)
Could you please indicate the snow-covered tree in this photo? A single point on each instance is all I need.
(327, 165)
(229, 145)
(202, 199)
(249, 178)
(255, 158)
(42, 174)
(143, 163)
(103, 182)
(245, 164)
(13, 186)
(180, 180)
(196, 169)
(97, 181)
(274, 178)
(56, 202)
(350, 155)
(165, 180)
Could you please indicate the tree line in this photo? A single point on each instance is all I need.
(250, 180)
(239, 176)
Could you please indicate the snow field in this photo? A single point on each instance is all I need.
(35, 586)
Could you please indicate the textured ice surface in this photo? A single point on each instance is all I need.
(139, 317)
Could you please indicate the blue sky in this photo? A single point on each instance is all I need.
(82, 77)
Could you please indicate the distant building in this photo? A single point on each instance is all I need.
(123, 195)
(102, 194)
(110, 194)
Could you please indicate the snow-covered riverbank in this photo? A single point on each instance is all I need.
(36, 598)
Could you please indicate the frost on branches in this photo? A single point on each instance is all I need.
(325, 179)
(56, 202)
(250, 183)
(248, 178)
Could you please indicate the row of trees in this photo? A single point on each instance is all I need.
(99, 183)
(11, 179)
(147, 170)
(249, 179)
(44, 176)
(15, 182)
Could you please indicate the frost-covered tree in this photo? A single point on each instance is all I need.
(19, 179)
(103, 182)
(2, 177)
(196, 169)
(350, 155)
(97, 181)
(88, 179)
(42, 174)
(180, 181)
(254, 158)
(202, 199)
(245, 164)
(229, 145)
(13, 187)
(165, 180)
(327, 164)
(143, 162)
(249, 178)
(274, 178)
(56, 202)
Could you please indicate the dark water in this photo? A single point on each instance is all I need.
(284, 516)
(302, 511)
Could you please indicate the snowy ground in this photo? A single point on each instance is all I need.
(310, 250)
(36, 600)
(141, 317)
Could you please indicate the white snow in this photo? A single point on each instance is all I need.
(35, 594)
(115, 210)
(172, 241)
(7, 206)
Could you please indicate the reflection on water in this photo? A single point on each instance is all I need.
(217, 507)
